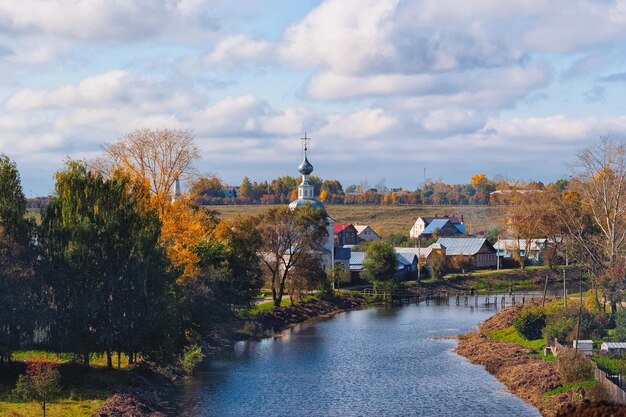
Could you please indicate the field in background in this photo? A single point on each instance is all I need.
(390, 219)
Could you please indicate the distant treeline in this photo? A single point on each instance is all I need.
(211, 191)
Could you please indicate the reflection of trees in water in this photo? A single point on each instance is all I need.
(387, 311)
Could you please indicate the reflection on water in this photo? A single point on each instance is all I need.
(381, 361)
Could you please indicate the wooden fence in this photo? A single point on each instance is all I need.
(614, 391)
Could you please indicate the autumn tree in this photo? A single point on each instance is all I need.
(482, 183)
(288, 238)
(438, 265)
(184, 226)
(158, 156)
(206, 187)
(523, 222)
(41, 383)
(462, 263)
(600, 180)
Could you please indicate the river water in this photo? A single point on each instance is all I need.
(380, 361)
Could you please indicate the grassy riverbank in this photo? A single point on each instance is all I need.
(520, 365)
(93, 390)
(503, 281)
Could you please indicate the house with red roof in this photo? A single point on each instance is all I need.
(345, 234)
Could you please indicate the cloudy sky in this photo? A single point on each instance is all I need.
(384, 87)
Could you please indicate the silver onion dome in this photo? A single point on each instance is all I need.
(305, 167)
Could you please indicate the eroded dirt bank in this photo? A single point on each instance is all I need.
(527, 377)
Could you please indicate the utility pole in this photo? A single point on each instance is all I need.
(580, 310)
(545, 290)
(564, 289)
(498, 256)
(419, 253)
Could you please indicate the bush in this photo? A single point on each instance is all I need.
(574, 366)
(529, 323)
(192, 356)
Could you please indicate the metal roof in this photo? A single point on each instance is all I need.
(614, 345)
(357, 258)
(460, 227)
(462, 245)
(535, 244)
(434, 225)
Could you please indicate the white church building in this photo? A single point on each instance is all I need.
(306, 195)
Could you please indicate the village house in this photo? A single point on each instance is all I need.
(366, 233)
(482, 252)
(531, 250)
(424, 227)
(345, 234)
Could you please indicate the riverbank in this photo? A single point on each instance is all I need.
(525, 374)
(490, 282)
(147, 391)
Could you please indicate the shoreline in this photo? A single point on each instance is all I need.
(529, 378)
(149, 393)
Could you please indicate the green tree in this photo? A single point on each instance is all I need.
(380, 262)
(288, 238)
(19, 301)
(12, 202)
(338, 275)
(106, 269)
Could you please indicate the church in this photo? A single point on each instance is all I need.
(306, 195)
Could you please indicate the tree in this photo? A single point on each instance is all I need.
(462, 263)
(18, 291)
(338, 275)
(600, 179)
(158, 156)
(12, 202)
(245, 189)
(184, 226)
(323, 196)
(241, 240)
(206, 187)
(288, 238)
(380, 262)
(19, 296)
(41, 383)
(438, 265)
(107, 272)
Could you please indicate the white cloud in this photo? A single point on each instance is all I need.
(238, 48)
(100, 20)
(343, 35)
(362, 124)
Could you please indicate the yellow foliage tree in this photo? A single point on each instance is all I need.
(184, 227)
(394, 198)
(323, 196)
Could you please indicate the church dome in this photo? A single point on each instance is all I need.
(305, 167)
(300, 202)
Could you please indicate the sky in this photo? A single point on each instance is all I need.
(385, 88)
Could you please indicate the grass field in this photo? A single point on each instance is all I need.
(390, 219)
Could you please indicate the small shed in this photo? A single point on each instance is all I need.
(613, 348)
(585, 346)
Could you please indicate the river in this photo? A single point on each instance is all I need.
(380, 361)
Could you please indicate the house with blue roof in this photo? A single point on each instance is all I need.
(424, 227)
